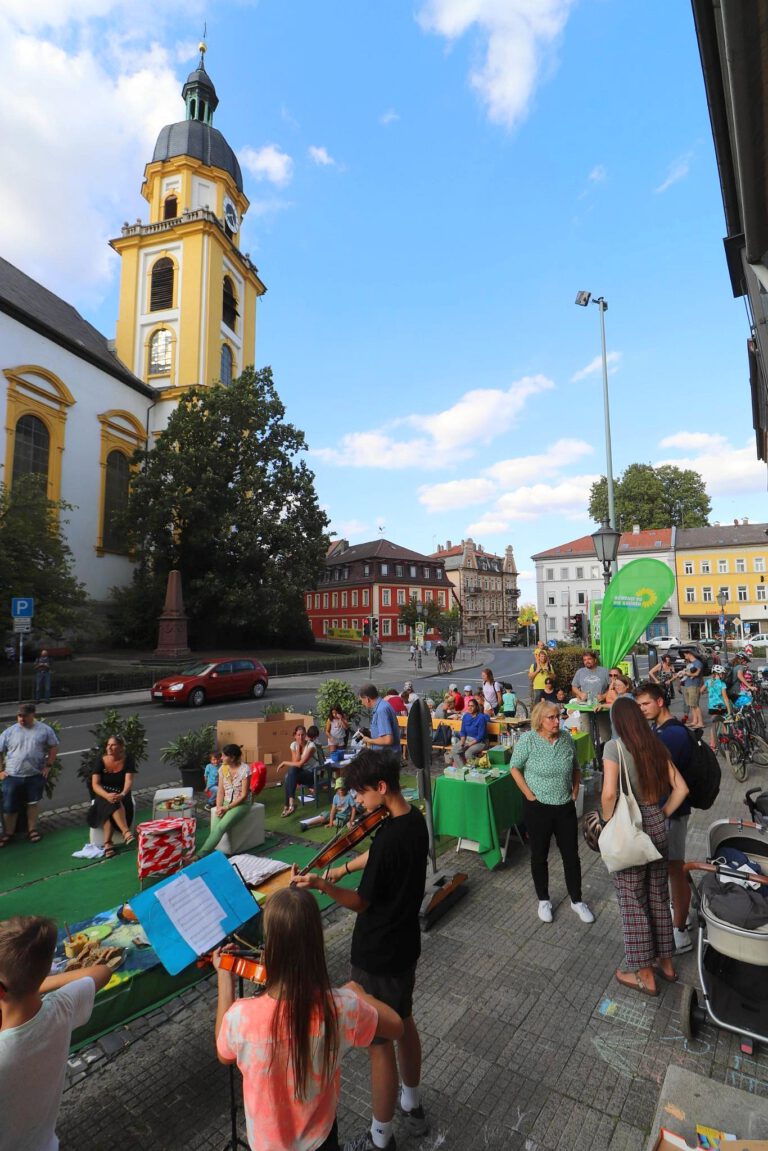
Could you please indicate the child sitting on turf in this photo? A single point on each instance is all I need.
(211, 774)
(35, 1032)
(342, 807)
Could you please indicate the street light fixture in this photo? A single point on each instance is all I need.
(606, 544)
(722, 599)
(583, 299)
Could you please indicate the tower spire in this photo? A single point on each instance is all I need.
(199, 93)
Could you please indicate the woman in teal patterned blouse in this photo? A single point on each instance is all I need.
(546, 770)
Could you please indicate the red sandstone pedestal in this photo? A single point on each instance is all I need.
(172, 635)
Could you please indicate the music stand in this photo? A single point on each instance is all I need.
(443, 888)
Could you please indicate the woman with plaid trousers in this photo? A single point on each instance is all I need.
(642, 891)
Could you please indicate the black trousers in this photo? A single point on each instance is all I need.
(543, 820)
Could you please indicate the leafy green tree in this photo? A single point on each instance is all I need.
(336, 693)
(449, 623)
(431, 615)
(222, 497)
(36, 559)
(660, 497)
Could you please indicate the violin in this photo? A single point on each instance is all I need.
(247, 964)
(346, 839)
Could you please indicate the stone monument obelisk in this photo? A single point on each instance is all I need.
(172, 634)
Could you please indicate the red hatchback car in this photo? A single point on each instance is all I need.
(213, 679)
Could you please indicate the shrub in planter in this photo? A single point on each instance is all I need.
(566, 661)
(189, 753)
(336, 693)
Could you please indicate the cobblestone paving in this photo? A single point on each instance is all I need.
(529, 1043)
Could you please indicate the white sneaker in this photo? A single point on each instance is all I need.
(545, 911)
(683, 941)
(583, 912)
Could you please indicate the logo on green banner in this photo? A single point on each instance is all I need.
(633, 599)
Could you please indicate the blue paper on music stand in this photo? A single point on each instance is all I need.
(191, 912)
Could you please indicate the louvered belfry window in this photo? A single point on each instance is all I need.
(161, 289)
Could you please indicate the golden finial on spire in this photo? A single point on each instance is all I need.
(202, 46)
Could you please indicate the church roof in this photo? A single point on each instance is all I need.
(37, 308)
(201, 142)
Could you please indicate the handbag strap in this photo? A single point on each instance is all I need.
(624, 771)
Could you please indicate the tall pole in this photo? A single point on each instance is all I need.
(602, 305)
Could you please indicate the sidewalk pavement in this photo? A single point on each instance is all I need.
(529, 1042)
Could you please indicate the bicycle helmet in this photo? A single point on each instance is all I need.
(718, 669)
(591, 829)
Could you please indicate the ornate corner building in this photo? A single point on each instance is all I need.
(484, 588)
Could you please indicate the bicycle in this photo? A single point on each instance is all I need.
(445, 666)
(740, 744)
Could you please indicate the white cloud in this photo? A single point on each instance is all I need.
(527, 574)
(725, 469)
(678, 170)
(568, 497)
(389, 117)
(350, 529)
(595, 366)
(598, 174)
(693, 440)
(520, 38)
(267, 163)
(476, 418)
(456, 494)
(510, 473)
(321, 156)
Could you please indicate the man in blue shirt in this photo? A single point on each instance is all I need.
(385, 733)
(652, 703)
(473, 736)
(27, 752)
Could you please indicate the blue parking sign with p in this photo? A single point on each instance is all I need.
(22, 607)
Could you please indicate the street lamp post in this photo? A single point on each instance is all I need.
(722, 599)
(583, 299)
(419, 632)
(606, 544)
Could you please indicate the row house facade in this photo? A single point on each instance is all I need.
(730, 558)
(374, 579)
(484, 588)
(569, 579)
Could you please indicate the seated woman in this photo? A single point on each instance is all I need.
(301, 765)
(232, 797)
(111, 785)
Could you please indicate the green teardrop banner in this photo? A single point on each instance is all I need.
(634, 597)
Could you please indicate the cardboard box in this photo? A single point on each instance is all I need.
(267, 738)
(668, 1141)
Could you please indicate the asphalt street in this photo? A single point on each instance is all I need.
(164, 723)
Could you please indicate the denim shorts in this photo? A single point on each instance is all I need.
(21, 789)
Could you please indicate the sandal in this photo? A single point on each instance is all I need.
(663, 975)
(34, 836)
(632, 979)
(5, 840)
(288, 811)
(109, 850)
(128, 838)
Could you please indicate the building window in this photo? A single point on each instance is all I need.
(309, 603)
(366, 569)
(706, 594)
(353, 624)
(334, 600)
(594, 573)
(741, 593)
(427, 596)
(579, 573)
(401, 629)
(563, 573)
(345, 573)
(385, 597)
(160, 352)
(385, 569)
(226, 365)
(551, 623)
(760, 592)
(354, 599)
(401, 597)
(325, 599)
(334, 623)
(580, 597)
(438, 573)
(336, 575)
(726, 591)
(398, 569)
(386, 627)
(426, 573)
(344, 599)
(366, 597)
(690, 595)
(722, 567)
(228, 304)
(550, 601)
(317, 599)
(706, 567)
(759, 563)
(31, 450)
(549, 573)
(741, 565)
(161, 285)
(170, 208)
(412, 571)
(117, 482)
(326, 624)
(688, 567)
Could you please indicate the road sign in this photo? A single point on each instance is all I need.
(22, 607)
(551, 643)
(22, 625)
(747, 628)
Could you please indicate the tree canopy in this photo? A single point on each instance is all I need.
(528, 614)
(661, 497)
(36, 559)
(222, 497)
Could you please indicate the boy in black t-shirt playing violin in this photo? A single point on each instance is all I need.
(386, 942)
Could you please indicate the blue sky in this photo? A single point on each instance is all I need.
(430, 185)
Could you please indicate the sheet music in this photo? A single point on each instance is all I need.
(194, 911)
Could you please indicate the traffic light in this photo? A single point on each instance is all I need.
(577, 624)
(375, 624)
(366, 627)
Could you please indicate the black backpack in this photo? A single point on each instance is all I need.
(732, 682)
(702, 773)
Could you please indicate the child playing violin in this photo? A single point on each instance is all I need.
(289, 1042)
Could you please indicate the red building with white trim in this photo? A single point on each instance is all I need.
(375, 579)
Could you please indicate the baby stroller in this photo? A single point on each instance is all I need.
(732, 921)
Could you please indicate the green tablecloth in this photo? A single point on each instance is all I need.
(585, 748)
(477, 811)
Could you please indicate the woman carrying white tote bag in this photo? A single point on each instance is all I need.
(636, 845)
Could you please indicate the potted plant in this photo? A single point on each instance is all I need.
(190, 753)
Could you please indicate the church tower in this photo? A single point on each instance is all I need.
(188, 294)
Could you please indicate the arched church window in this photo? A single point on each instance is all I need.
(161, 287)
(226, 364)
(229, 304)
(160, 352)
(115, 500)
(170, 208)
(31, 450)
